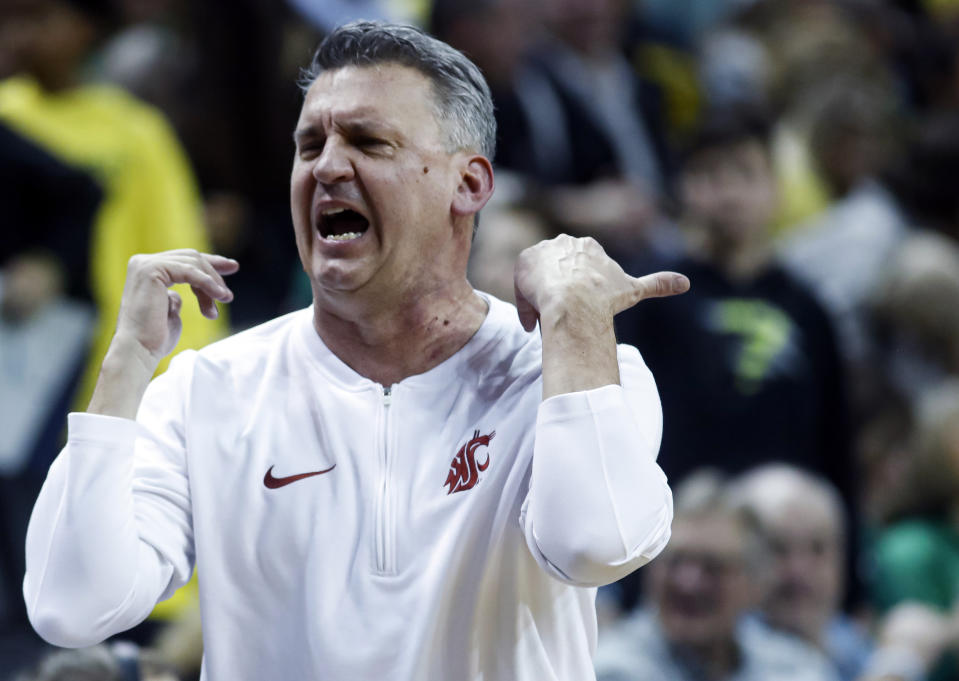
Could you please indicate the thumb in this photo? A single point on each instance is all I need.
(659, 285)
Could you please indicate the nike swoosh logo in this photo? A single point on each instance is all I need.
(273, 483)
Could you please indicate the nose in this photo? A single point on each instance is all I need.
(333, 165)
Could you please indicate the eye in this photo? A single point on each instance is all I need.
(368, 142)
(310, 149)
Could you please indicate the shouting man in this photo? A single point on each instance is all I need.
(398, 482)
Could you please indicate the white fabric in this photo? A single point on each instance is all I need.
(373, 569)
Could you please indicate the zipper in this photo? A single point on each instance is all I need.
(383, 539)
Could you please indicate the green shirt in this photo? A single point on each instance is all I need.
(918, 560)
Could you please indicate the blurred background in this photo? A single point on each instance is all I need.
(798, 159)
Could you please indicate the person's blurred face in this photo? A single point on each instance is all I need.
(372, 185)
(43, 37)
(699, 583)
(730, 191)
(808, 567)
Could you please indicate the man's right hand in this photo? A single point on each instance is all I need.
(149, 325)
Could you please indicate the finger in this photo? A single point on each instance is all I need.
(659, 285)
(204, 261)
(221, 264)
(207, 304)
(178, 272)
(527, 313)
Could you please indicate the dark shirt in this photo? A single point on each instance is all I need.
(47, 207)
(748, 373)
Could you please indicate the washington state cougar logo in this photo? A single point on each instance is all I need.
(464, 470)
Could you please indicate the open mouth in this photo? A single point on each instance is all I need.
(342, 224)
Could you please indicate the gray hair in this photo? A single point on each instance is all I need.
(462, 101)
(765, 488)
(707, 492)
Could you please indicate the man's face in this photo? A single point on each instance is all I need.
(808, 567)
(372, 186)
(699, 583)
(731, 192)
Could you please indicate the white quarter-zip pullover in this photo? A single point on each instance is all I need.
(449, 527)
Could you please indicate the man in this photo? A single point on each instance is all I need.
(369, 487)
(803, 520)
(747, 364)
(700, 589)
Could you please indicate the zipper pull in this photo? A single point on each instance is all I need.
(387, 395)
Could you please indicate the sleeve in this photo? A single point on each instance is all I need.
(598, 505)
(111, 532)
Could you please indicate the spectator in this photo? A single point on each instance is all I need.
(705, 581)
(150, 198)
(803, 520)
(840, 254)
(746, 363)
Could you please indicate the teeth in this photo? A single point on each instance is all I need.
(333, 211)
(346, 236)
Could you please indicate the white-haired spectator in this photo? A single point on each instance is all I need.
(802, 517)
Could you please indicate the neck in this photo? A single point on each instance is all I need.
(387, 343)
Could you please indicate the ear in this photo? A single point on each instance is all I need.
(475, 186)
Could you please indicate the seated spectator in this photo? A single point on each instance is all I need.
(700, 589)
(803, 520)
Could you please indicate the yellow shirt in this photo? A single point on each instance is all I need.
(150, 204)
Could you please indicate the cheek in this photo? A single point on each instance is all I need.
(301, 192)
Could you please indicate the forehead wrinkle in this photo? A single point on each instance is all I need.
(325, 98)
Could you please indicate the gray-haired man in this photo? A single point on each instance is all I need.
(398, 482)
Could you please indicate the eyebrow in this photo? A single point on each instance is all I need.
(360, 126)
(305, 133)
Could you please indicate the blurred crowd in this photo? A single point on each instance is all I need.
(797, 159)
